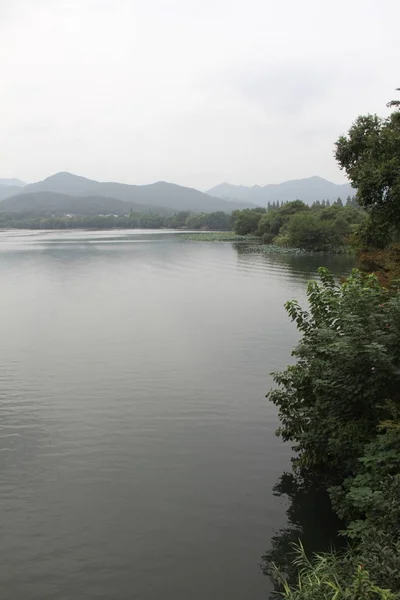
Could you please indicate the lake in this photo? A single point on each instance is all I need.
(137, 449)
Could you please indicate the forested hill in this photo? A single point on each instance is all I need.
(9, 190)
(44, 203)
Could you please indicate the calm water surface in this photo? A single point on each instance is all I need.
(137, 450)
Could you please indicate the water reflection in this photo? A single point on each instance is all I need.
(310, 521)
(134, 431)
(301, 266)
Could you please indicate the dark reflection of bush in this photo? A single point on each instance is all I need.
(304, 265)
(241, 247)
(310, 521)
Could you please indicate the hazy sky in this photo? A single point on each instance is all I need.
(190, 91)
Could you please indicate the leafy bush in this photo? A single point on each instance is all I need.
(329, 576)
(339, 404)
(246, 221)
(267, 238)
(348, 365)
(296, 225)
(370, 500)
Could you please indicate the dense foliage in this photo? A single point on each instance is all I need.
(216, 221)
(321, 227)
(339, 405)
(330, 576)
(290, 225)
(370, 155)
(348, 367)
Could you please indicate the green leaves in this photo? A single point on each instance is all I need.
(348, 363)
(246, 221)
(330, 576)
(339, 405)
(296, 225)
(370, 501)
(370, 155)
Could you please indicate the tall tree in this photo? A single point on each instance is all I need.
(370, 156)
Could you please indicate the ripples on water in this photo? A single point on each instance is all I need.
(137, 450)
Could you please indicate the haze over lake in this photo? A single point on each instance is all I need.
(137, 449)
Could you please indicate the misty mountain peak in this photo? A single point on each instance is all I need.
(66, 176)
(309, 190)
(12, 182)
(155, 196)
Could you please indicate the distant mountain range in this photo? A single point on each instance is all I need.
(43, 203)
(9, 190)
(309, 190)
(156, 197)
(12, 182)
(67, 193)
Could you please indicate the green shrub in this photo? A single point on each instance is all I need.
(329, 576)
(348, 364)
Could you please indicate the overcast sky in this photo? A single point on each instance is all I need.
(194, 92)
